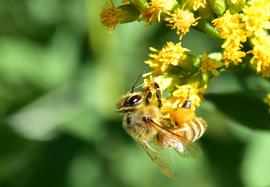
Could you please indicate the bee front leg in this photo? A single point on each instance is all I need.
(158, 94)
(148, 97)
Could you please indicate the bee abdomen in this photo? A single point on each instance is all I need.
(196, 128)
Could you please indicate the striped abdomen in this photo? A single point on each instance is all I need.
(195, 128)
(191, 130)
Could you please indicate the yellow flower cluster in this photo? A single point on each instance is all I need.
(191, 91)
(161, 63)
(256, 16)
(153, 11)
(250, 24)
(180, 17)
(181, 20)
(243, 26)
(233, 32)
(261, 54)
(210, 65)
(170, 54)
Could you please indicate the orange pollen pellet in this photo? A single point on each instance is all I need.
(182, 115)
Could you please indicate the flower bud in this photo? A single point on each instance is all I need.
(235, 5)
(218, 6)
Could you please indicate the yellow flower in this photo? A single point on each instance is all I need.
(171, 54)
(267, 100)
(232, 54)
(181, 21)
(170, 104)
(110, 16)
(196, 4)
(232, 30)
(155, 8)
(163, 81)
(261, 54)
(191, 92)
(209, 64)
(256, 15)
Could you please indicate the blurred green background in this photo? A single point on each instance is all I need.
(61, 74)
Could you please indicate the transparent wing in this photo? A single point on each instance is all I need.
(183, 147)
(162, 160)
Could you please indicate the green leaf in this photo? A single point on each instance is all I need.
(16, 156)
(255, 167)
(245, 108)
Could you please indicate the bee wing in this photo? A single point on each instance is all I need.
(161, 159)
(183, 147)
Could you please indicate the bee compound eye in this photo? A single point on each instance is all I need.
(134, 100)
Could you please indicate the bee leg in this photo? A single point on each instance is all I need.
(158, 94)
(148, 97)
(146, 119)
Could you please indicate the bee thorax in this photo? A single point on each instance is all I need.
(137, 128)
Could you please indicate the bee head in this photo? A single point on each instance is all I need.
(129, 102)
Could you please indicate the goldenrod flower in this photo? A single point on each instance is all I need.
(261, 54)
(170, 104)
(153, 11)
(164, 82)
(181, 20)
(210, 65)
(191, 92)
(170, 54)
(256, 15)
(232, 30)
(267, 100)
(110, 16)
(196, 4)
(232, 54)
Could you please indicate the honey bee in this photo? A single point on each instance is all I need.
(144, 121)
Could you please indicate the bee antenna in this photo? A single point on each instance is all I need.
(136, 81)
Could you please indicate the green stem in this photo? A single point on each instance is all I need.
(204, 26)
